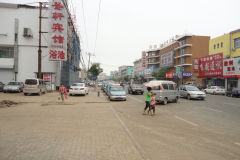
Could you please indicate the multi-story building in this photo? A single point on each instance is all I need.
(122, 71)
(19, 40)
(138, 67)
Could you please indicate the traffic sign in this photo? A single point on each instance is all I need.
(178, 69)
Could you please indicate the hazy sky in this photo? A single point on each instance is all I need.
(127, 27)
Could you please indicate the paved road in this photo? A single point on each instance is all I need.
(91, 127)
(190, 129)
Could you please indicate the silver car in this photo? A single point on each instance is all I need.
(13, 87)
(191, 92)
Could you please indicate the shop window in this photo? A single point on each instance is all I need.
(237, 43)
(218, 45)
(6, 52)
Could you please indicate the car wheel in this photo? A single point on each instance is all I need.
(40, 93)
(203, 99)
(142, 93)
(164, 102)
(175, 100)
(189, 97)
(214, 93)
(4, 92)
(25, 94)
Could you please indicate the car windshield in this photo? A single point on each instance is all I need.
(117, 88)
(31, 81)
(192, 88)
(13, 83)
(78, 84)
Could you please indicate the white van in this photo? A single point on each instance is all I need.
(34, 85)
(165, 91)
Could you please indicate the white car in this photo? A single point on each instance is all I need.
(215, 90)
(78, 88)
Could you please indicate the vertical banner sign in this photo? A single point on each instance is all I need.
(195, 65)
(211, 65)
(143, 59)
(58, 31)
(231, 67)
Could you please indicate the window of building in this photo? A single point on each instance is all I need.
(218, 45)
(182, 51)
(221, 44)
(182, 60)
(153, 53)
(182, 42)
(237, 43)
(214, 46)
(6, 52)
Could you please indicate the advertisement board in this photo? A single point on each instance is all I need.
(195, 64)
(211, 66)
(57, 31)
(166, 59)
(186, 74)
(169, 75)
(231, 67)
(143, 59)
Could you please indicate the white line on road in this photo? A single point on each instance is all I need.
(142, 101)
(139, 148)
(211, 109)
(194, 124)
(237, 143)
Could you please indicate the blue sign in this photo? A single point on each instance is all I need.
(186, 74)
(93, 77)
(175, 75)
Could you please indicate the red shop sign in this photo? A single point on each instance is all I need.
(169, 75)
(211, 66)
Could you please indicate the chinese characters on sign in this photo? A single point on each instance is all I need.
(231, 67)
(169, 75)
(195, 64)
(166, 59)
(58, 31)
(211, 65)
(143, 59)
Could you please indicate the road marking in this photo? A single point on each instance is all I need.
(135, 99)
(211, 109)
(232, 104)
(194, 124)
(237, 143)
(137, 145)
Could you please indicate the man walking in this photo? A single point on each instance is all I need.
(62, 92)
(147, 100)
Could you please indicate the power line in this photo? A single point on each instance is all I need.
(84, 23)
(99, 7)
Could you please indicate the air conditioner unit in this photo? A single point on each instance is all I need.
(233, 49)
(27, 32)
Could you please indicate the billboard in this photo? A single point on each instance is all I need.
(231, 67)
(169, 75)
(195, 64)
(211, 66)
(144, 59)
(58, 31)
(166, 59)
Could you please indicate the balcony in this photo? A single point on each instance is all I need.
(156, 56)
(185, 64)
(153, 62)
(7, 63)
(183, 46)
(184, 55)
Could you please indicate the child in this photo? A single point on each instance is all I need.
(153, 104)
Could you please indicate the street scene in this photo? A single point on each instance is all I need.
(119, 80)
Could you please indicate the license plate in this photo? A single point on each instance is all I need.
(75, 89)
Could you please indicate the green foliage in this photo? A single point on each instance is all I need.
(126, 78)
(160, 73)
(95, 69)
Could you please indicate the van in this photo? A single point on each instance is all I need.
(165, 91)
(34, 86)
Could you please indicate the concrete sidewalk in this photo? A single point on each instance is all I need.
(82, 128)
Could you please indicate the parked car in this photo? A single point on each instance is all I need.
(109, 86)
(1, 86)
(191, 92)
(34, 86)
(78, 89)
(215, 90)
(164, 91)
(117, 92)
(135, 88)
(233, 92)
(13, 87)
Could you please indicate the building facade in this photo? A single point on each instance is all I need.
(19, 32)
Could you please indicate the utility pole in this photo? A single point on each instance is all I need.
(40, 42)
(89, 57)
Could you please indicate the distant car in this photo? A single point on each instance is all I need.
(215, 90)
(191, 92)
(135, 88)
(1, 86)
(13, 87)
(78, 89)
(233, 92)
(100, 84)
(117, 93)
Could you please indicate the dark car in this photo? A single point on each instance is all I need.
(233, 92)
(135, 88)
(1, 86)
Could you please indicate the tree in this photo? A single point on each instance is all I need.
(126, 78)
(95, 70)
(160, 73)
